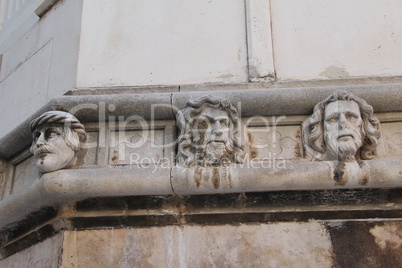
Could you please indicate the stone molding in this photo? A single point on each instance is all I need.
(65, 187)
(255, 102)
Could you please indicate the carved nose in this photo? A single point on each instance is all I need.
(40, 141)
(343, 123)
(217, 130)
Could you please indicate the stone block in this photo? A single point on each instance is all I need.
(136, 147)
(40, 65)
(162, 43)
(391, 140)
(141, 145)
(280, 142)
(251, 245)
(26, 87)
(259, 40)
(331, 40)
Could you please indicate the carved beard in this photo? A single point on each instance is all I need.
(216, 153)
(344, 150)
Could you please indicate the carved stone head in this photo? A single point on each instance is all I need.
(342, 127)
(57, 137)
(209, 133)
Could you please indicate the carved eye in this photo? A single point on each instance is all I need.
(352, 117)
(224, 123)
(332, 120)
(52, 134)
(202, 124)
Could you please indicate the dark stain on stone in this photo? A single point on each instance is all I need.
(230, 179)
(216, 178)
(120, 221)
(364, 180)
(31, 222)
(252, 150)
(355, 246)
(365, 172)
(339, 171)
(115, 156)
(241, 200)
(298, 153)
(122, 203)
(198, 176)
(295, 199)
(28, 240)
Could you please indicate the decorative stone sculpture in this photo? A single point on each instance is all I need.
(342, 127)
(209, 136)
(57, 138)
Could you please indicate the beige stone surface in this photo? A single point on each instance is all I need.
(391, 140)
(136, 147)
(280, 142)
(159, 42)
(259, 40)
(42, 255)
(315, 39)
(252, 245)
(388, 235)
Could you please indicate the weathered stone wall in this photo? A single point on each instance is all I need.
(291, 244)
(125, 68)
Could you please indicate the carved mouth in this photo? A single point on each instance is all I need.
(42, 153)
(345, 136)
(217, 141)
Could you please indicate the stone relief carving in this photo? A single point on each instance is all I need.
(57, 139)
(209, 135)
(342, 127)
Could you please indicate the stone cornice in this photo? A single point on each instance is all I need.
(65, 187)
(254, 102)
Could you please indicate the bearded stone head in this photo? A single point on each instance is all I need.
(209, 136)
(57, 137)
(342, 127)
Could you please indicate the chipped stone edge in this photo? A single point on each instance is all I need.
(64, 187)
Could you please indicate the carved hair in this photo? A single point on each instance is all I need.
(189, 136)
(73, 131)
(313, 129)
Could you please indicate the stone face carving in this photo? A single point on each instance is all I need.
(342, 127)
(57, 138)
(209, 136)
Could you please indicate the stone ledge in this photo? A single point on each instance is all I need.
(68, 186)
(379, 205)
(254, 102)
